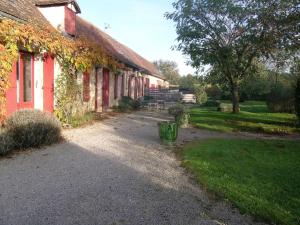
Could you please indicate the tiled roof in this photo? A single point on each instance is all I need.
(23, 10)
(115, 48)
(26, 10)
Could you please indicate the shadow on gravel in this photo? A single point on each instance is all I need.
(116, 174)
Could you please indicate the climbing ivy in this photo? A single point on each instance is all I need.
(76, 55)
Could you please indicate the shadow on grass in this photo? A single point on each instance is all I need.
(253, 118)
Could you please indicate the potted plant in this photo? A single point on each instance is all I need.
(168, 132)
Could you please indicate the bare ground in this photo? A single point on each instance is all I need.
(111, 173)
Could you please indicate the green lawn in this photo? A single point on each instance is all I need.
(253, 117)
(260, 177)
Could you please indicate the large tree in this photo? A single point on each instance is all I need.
(230, 35)
(169, 69)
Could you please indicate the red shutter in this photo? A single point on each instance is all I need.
(86, 87)
(11, 93)
(122, 86)
(70, 21)
(116, 86)
(48, 83)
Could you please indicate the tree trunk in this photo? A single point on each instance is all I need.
(235, 98)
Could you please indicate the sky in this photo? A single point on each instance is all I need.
(139, 24)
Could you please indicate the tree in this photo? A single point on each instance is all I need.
(169, 70)
(296, 71)
(297, 100)
(230, 35)
(187, 82)
(200, 93)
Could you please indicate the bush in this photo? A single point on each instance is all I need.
(182, 117)
(176, 110)
(7, 143)
(281, 100)
(33, 128)
(127, 104)
(225, 107)
(212, 103)
(148, 98)
(80, 120)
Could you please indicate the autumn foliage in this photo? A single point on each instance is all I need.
(79, 54)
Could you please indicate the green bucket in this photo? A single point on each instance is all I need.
(168, 132)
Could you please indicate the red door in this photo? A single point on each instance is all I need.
(49, 83)
(26, 81)
(136, 86)
(129, 86)
(105, 89)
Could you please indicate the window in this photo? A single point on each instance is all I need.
(27, 70)
(86, 87)
(70, 21)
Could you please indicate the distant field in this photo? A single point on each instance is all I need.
(254, 117)
(260, 177)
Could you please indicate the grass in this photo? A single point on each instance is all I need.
(258, 176)
(254, 117)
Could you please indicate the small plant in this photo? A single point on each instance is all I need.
(182, 117)
(7, 143)
(33, 128)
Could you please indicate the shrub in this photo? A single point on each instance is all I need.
(176, 110)
(281, 100)
(127, 104)
(80, 120)
(33, 128)
(182, 117)
(212, 103)
(148, 98)
(7, 143)
(225, 107)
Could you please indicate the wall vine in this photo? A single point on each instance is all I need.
(74, 55)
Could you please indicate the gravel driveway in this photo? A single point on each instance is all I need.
(111, 173)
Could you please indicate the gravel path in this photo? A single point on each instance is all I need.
(111, 173)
